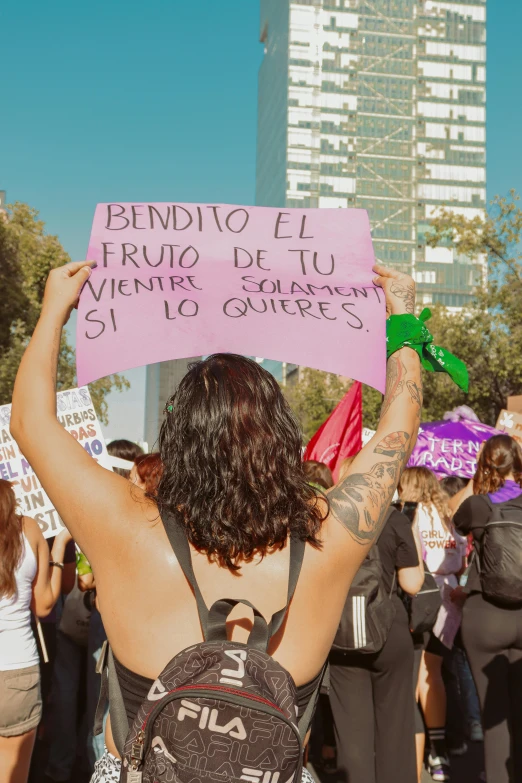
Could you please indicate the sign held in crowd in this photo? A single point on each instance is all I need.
(76, 413)
(510, 422)
(178, 280)
(450, 448)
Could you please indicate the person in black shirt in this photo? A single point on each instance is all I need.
(492, 634)
(372, 694)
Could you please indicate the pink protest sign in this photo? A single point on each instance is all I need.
(178, 280)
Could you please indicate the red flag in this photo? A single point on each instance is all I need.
(341, 434)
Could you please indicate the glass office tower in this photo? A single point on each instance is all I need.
(378, 104)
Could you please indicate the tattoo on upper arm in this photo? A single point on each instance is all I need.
(360, 502)
(406, 293)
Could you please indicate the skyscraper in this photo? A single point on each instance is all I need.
(378, 104)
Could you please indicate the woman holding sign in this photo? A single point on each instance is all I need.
(232, 496)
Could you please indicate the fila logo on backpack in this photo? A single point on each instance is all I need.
(207, 717)
(231, 677)
(259, 776)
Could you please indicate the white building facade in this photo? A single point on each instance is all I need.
(378, 104)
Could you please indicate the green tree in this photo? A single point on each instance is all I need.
(317, 393)
(488, 334)
(372, 403)
(27, 255)
(314, 397)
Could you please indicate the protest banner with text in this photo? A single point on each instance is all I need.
(76, 413)
(178, 280)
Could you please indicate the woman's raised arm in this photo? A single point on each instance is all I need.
(87, 496)
(361, 500)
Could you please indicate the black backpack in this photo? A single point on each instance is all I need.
(369, 612)
(219, 710)
(500, 558)
(423, 607)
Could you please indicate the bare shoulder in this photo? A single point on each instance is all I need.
(33, 533)
(132, 525)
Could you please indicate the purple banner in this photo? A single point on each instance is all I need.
(450, 448)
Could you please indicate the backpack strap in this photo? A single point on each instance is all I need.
(259, 636)
(213, 621)
(110, 691)
(119, 721)
(103, 698)
(305, 721)
(488, 502)
(297, 550)
(180, 545)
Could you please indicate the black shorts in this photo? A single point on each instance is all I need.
(435, 647)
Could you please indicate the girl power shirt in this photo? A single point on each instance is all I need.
(443, 550)
(443, 553)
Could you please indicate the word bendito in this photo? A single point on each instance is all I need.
(76, 414)
(177, 280)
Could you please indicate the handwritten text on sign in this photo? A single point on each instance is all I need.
(76, 413)
(177, 280)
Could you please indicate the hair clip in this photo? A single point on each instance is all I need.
(168, 408)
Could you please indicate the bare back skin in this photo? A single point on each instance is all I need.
(148, 608)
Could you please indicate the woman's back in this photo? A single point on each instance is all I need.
(17, 644)
(153, 616)
(233, 480)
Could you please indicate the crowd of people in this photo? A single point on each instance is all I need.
(395, 607)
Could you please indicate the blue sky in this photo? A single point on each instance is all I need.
(132, 101)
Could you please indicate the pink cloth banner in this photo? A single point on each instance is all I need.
(178, 280)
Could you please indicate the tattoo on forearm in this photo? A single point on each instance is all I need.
(360, 502)
(415, 396)
(406, 293)
(395, 376)
(415, 392)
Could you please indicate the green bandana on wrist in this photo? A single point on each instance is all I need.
(408, 330)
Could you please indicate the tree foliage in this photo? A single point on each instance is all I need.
(316, 394)
(488, 334)
(314, 397)
(27, 255)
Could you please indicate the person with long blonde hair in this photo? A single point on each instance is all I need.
(28, 581)
(444, 553)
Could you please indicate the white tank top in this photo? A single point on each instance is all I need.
(17, 644)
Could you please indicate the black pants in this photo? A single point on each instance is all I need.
(493, 640)
(373, 707)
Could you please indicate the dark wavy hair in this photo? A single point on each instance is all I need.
(149, 468)
(231, 450)
(500, 456)
(453, 484)
(318, 473)
(124, 449)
